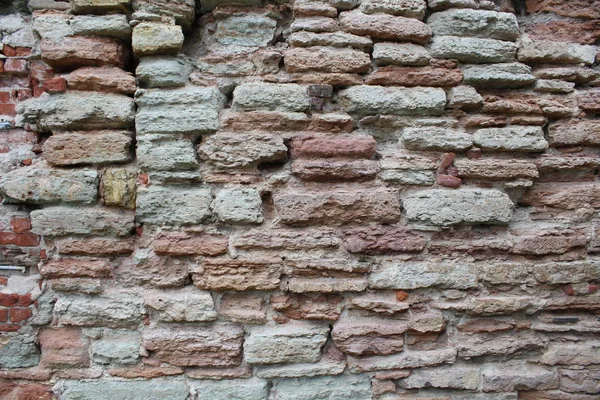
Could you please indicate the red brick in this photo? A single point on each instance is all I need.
(9, 328)
(16, 66)
(40, 71)
(3, 280)
(56, 85)
(181, 244)
(20, 225)
(18, 314)
(24, 300)
(5, 97)
(75, 268)
(359, 147)
(19, 239)
(3, 314)
(38, 91)
(64, 347)
(8, 109)
(9, 51)
(11, 390)
(448, 181)
(1, 66)
(23, 51)
(8, 299)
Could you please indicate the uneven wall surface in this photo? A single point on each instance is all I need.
(303, 200)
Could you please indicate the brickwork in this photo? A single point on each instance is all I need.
(303, 200)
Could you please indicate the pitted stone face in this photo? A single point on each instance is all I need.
(299, 199)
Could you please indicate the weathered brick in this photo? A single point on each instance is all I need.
(83, 51)
(382, 26)
(339, 207)
(473, 50)
(313, 307)
(64, 348)
(572, 353)
(392, 75)
(370, 337)
(88, 148)
(339, 146)
(238, 274)
(248, 308)
(335, 170)
(182, 244)
(75, 268)
(382, 240)
(404, 360)
(217, 345)
(102, 79)
(494, 169)
(289, 343)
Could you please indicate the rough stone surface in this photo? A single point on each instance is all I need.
(83, 148)
(58, 221)
(176, 206)
(216, 345)
(337, 207)
(39, 185)
(526, 138)
(477, 23)
(473, 50)
(238, 206)
(186, 110)
(307, 200)
(447, 207)
(291, 343)
(399, 101)
(74, 110)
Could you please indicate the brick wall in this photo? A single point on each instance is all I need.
(305, 200)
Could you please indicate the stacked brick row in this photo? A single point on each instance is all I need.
(344, 199)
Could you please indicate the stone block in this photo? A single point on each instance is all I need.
(166, 389)
(390, 53)
(382, 26)
(366, 100)
(336, 207)
(434, 138)
(414, 275)
(77, 148)
(60, 221)
(173, 205)
(238, 389)
(153, 38)
(513, 138)
(111, 310)
(289, 343)
(162, 72)
(238, 206)
(216, 345)
(238, 274)
(118, 347)
(41, 185)
(450, 207)
(473, 50)
(477, 23)
(181, 305)
(270, 97)
(350, 387)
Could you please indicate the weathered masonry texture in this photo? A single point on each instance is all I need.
(299, 200)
